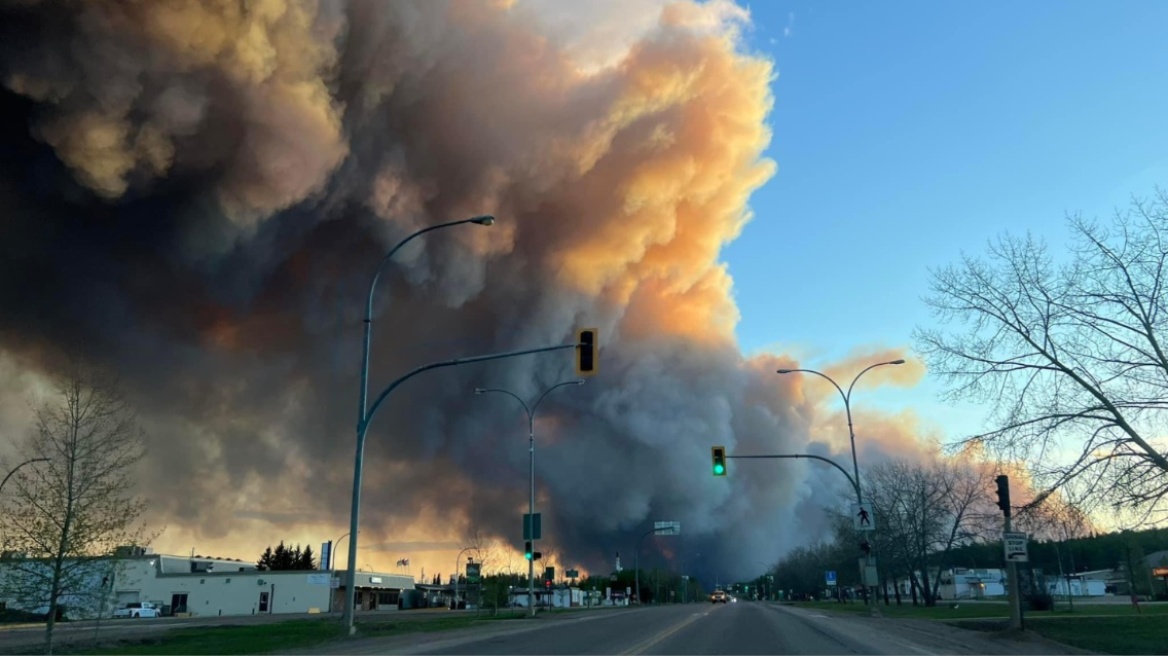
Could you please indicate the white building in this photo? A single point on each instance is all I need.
(1079, 587)
(201, 586)
(962, 583)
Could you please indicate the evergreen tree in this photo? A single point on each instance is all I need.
(307, 559)
(282, 558)
(266, 561)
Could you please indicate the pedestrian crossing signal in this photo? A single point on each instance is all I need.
(719, 455)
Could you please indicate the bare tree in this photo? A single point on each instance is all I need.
(1070, 356)
(924, 510)
(67, 513)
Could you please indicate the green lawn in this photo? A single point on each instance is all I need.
(943, 611)
(1104, 628)
(259, 639)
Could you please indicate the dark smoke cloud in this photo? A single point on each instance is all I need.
(198, 192)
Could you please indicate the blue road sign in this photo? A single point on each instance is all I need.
(830, 578)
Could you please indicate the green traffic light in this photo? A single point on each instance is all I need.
(718, 468)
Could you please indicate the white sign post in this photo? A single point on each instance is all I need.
(863, 519)
(1016, 547)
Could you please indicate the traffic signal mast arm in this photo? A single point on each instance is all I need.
(454, 363)
(855, 487)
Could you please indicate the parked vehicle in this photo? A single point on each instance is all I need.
(136, 610)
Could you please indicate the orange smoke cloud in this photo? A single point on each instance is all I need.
(274, 54)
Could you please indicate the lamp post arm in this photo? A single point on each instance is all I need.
(825, 377)
(395, 249)
(852, 481)
(368, 330)
(543, 396)
(26, 462)
(523, 403)
(454, 363)
(864, 371)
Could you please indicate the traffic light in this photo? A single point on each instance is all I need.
(719, 454)
(548, 584)
(527, 551)
(866, 547)
(587, 350)
(1003, 482)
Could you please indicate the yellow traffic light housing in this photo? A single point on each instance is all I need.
(719, 456)
(587, 350)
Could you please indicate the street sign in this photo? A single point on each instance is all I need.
(1160, 571)
(667, 528)
(572, 574)
(831, 578)
(1015, 545)
(527, 526)
(473, 573)
(863, 519)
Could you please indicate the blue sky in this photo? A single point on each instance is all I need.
(906, 132)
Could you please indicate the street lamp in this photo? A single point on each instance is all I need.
(363, 417)
(333, 566)
(456, 559)
(847, 396)
(531, 450)
(766, 580)
(26, 462)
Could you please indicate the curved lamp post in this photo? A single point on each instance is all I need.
(363, 416)
(847, 396)
(456, 573)
(333, 566)
(531, 450)
(26, 462)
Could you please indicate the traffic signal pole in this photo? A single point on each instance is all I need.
(586, 365)
(358, 465)
(1003, 483)
(873, 608)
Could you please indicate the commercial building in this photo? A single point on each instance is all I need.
(203, 586)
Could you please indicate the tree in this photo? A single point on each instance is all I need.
(307, 559)
(283, 558)
(68, 512)
(266, 561)
(926, 509)
(1069, 356)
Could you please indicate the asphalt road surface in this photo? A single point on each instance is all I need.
(739, 628)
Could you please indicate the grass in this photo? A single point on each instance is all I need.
(988, 610)
(1107, 635)
(263, 638)
(1104, 628)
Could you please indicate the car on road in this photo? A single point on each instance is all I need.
(719, 597)
(136, 610)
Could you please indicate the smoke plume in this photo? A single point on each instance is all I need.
(198, 194)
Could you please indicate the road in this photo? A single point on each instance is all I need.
(739, 628)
